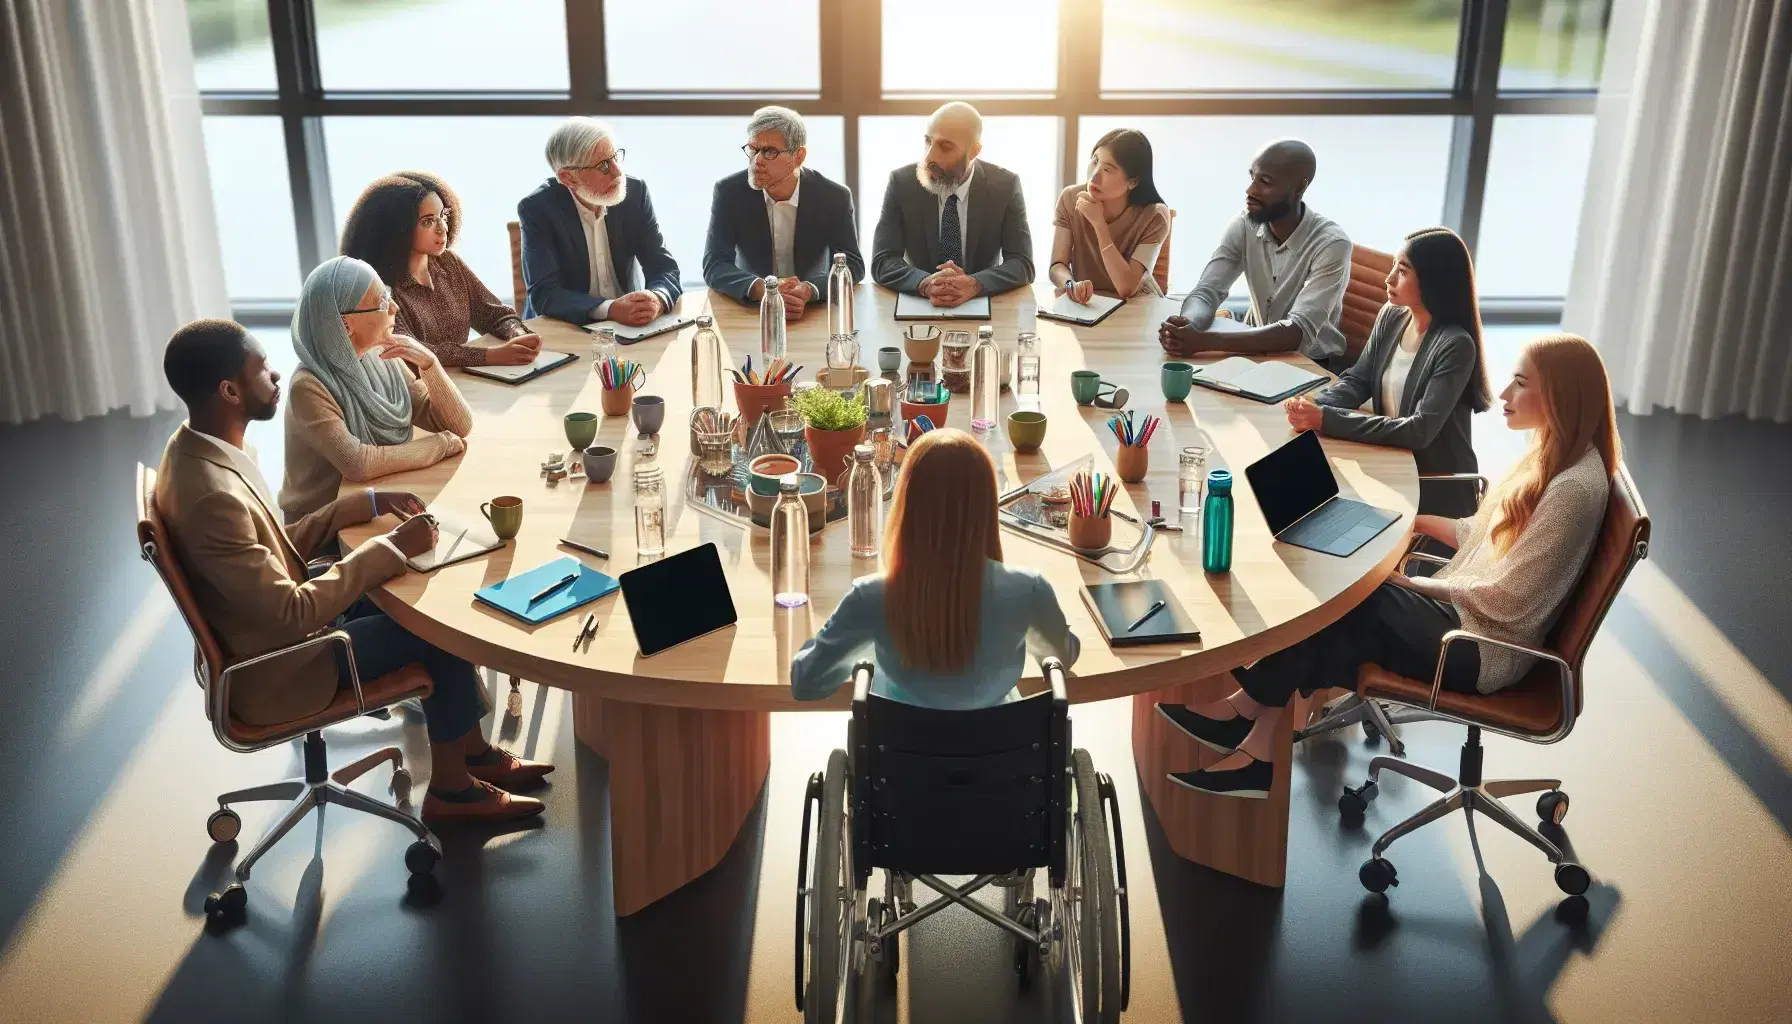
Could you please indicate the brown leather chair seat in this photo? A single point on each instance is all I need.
(1532, 706)
(400, 684)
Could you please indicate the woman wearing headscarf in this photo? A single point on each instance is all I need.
(361, 392)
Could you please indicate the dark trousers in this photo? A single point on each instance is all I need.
(455, 706)
(1395, 628)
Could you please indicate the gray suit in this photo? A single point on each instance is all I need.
(998, 248)
(1436, 406)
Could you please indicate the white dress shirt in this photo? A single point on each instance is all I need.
(597, 243)
(782, 215)
(243, 461)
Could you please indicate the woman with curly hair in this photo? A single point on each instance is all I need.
(403, 225)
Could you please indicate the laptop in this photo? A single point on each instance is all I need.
(678, 599)
(1298, 494)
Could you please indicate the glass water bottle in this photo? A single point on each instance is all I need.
(650, 509)
(865, 502)
(707, 362)
(1216, 523)
(1026, 369)
(790, 546)
(840, 286)
(603, 345)
(771, 323)
(986, 380)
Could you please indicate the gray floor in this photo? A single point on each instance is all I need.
(112, 769)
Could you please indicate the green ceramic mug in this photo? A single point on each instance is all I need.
(581, 429)
(1026, 430)
(1084, 384)
(1178, 378)
(505, 514)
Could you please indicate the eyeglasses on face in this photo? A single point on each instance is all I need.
(769, 152)
(604, 166)
(386, 303)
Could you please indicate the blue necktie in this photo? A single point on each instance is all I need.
(951, 239)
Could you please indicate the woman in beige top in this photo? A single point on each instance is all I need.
(1110, 228)
(360, 391)
(1516, 560)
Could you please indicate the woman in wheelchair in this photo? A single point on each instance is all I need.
(1517, 558)
(946, 625)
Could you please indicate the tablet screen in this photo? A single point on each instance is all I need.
(677, 599)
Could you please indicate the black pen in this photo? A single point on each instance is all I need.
(589, 550)
(1153, 610)
(550, 588)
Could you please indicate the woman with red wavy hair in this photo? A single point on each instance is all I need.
(1516, 560)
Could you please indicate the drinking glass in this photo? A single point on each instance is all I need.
(1191, 471)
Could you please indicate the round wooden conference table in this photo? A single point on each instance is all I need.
(687, 734)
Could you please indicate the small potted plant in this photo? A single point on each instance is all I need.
(833, 424)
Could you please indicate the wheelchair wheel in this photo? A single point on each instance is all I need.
(1017, 905)
(829, 924)
(1087, 963)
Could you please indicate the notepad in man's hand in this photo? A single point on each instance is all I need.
(1084, 314)
(1120, 610)
(457, 539)
(627, 334)
(1267, 381)
(919, 307)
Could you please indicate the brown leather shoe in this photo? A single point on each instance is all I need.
(495, 805)
(502, 768)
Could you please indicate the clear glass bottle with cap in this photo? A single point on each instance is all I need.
(865, 503)
(790, 546)
(771, 323)
(1026, 369)
(840, 286)
(986, 380)
(650, 508)
(707, 362)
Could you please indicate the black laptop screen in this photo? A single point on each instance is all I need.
(677, 599)
(1291, 481)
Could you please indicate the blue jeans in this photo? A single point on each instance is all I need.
(381, 645)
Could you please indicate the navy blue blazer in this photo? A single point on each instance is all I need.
(557, 262)
(739, 247)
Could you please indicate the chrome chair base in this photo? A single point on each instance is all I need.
(1484, 798)
(1351, 709)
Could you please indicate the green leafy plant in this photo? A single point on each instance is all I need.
(826, 409)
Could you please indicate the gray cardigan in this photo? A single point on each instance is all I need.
(1435, 412)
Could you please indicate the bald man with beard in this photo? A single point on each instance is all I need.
(1295, 262)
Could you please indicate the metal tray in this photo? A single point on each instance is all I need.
(1019, 510)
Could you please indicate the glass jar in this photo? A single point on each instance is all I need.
(603, 345)
(1191, 473)
(650, 509)
(1026, 369)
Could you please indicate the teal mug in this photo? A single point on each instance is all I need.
(1178, 378)
(1084, 385)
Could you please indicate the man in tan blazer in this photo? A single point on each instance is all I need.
(250, 579)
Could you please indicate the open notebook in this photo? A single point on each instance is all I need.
(628, 335)
(1084, 314)
(1267, 381)
(457, 539)
(917, 307)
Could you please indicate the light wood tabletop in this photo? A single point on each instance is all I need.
(687, 732)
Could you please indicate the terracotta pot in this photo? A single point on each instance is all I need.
(1131, 462)
(829, 450)
(1090, 533)
(753, 400)
(620, 401)
(935, 411)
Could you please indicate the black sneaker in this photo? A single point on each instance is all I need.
(1221, 735)
(1252, 781)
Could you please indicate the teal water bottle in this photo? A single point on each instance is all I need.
(1216, 523)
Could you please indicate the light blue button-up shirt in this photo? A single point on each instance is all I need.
(1019, 615)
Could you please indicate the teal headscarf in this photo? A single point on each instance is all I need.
(374, 393)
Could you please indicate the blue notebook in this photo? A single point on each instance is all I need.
(512, 595)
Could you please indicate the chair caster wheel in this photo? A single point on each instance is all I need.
(1377, 874)
(1552, 807)
(229, 904)
(1354, 803)
(421, 858)
(1572, 879)
(401, 785)
(224, 825)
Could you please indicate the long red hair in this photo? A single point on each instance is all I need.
(1577, 403)
(942, 528)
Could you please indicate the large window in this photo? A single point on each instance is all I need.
(1469, 113)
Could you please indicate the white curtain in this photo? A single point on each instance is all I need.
(107, 240)
(1683, 273)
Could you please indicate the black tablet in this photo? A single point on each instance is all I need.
(677, 599)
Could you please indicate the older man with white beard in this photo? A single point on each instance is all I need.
(953, 227)
(587, 229)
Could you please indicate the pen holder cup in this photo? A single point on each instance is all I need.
(619, 401)
(755, 400)
(1090, 533)
(1131, 462)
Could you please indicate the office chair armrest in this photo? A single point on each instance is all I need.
(1477, 479)
(1570, 685)
(861, 680)
(1055, 675)
(220, 692)
(1421, 556)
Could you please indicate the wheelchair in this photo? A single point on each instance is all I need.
(994, 794)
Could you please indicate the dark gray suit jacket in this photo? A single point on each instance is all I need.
(557, 262)
(1435, 411)
(739, 248)
(998, 247)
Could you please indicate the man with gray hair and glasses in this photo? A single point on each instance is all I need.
(953, 227)
(778, 218)
(585, 231)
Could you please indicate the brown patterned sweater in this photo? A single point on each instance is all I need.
(440, 313)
